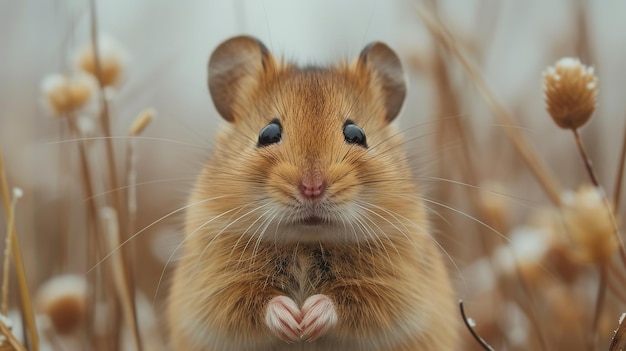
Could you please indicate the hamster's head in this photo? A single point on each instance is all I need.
(308, 153)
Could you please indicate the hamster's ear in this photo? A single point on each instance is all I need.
(232, 61)
(379, 58)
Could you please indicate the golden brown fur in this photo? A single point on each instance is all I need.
(245, 243)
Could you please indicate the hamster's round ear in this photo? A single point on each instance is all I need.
(379, 58)
(231, 62)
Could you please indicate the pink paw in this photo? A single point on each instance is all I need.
(319, 316)
(283, 318)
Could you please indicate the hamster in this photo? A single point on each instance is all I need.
(305, 229)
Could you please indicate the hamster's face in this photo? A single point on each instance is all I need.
(309, 153)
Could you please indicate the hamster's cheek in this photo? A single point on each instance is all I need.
(282, 182)
(344, 185)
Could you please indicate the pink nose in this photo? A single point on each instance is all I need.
(312, 185)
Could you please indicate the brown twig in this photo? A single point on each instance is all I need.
(28, 313)
(620, 174)
(469, 323)
(586, 160)
(619, 339)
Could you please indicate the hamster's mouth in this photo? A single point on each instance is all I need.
(312, 221)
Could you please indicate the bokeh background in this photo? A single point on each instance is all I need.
(168, 43)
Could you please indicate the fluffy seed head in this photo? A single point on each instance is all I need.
(524, 254)
(570, 90)
(63, 94)
(62, 299)
(589, 224)
(113, 60)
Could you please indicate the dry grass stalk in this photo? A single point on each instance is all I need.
(28, 313)
(93, 245)
(17, 194)
(620, 175)
(105, 120)
(140, 123)
(469, 323)
(120, 278)
(619, 339)
(10, 342)
(522, 146)
(105, 117)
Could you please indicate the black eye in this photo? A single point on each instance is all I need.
(270, 134)
(354, 134)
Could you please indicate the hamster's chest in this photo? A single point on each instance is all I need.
(302, 272)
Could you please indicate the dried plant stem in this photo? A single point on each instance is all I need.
(620, 174)
(93, 245)
(522, 146)
(594, 181)
(105, 118)
(7, 333)
(586, 159)
(600, 298)
(64, 211)
(7, 257)
(28, 313)
(470, 327)
(619, 339)
(120, 278)
(117, 201)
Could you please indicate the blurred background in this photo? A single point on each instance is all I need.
(166, 45)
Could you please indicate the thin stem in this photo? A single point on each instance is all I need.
(7, 333)
(470, 327)
(120, 278)
(25, 301)
(586, 159)
(7, 258)
(620, 174)
(93, 246)
(619, 339)
(594, 181)
(599, 306)
(110, 157)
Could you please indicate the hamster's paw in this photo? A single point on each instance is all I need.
(319, 315)
(283, 318)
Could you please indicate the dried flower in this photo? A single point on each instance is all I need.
(524, 254)
(589, 224)
(63, 94)
(62, 299)
(112, 57)
(570, 90)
